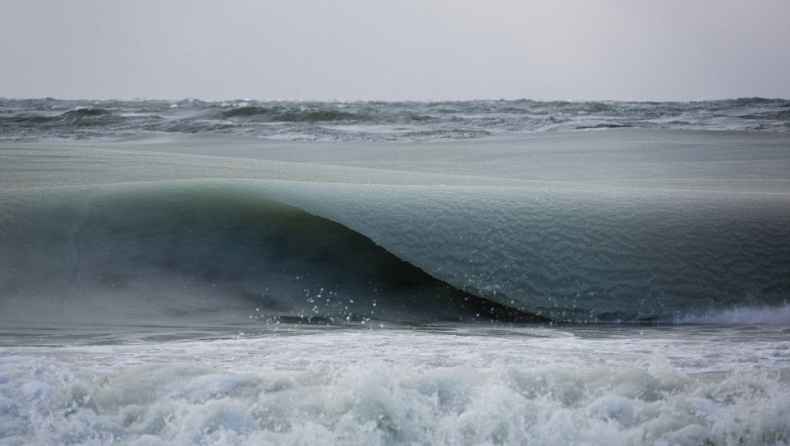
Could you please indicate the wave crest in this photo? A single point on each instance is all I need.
(287, 114)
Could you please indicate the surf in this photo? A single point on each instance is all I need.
(174, 253)
(335, 253)
(652, 226)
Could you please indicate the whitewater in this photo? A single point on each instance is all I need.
(484, 272)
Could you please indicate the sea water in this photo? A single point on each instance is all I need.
(490, 272)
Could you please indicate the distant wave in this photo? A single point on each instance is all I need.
(36, 119)
(288, 114)
(68, 118)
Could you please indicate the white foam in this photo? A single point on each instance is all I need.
(507, 386)
(742, 315)
(385, 404)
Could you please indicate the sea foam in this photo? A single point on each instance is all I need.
(420, 388)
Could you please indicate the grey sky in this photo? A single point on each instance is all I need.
(395, 50)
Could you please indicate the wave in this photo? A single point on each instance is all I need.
(288, 114)
(71, 117)
(162, 253)
(583, 257)
(165, 252)
(365, 121)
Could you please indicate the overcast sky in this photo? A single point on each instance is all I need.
(395, 50)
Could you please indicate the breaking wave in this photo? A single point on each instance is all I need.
(172, 251)
(162, 253)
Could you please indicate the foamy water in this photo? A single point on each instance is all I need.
(484, 385)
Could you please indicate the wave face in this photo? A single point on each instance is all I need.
(229, 250)
(610, 226)
(175, 254)
(582, 256)
(32, 120)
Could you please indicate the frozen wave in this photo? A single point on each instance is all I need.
(163, 249)
(618, 226)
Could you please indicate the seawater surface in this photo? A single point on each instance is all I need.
(490, 272)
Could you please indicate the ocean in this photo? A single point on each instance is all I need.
(377, 273)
